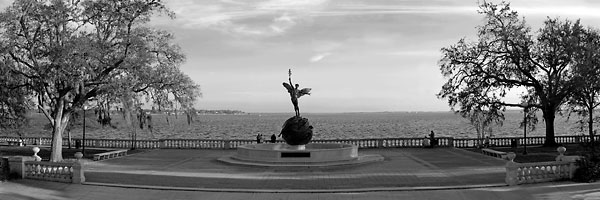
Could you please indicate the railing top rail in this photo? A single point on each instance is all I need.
(58, 164)
(383, 138)
(544, 163)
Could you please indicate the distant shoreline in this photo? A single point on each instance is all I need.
(374, 112)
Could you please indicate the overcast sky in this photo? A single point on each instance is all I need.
(356, 55)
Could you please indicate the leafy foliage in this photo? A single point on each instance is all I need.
(588, 165)
(68, 52)
(14, 100)
(587, 72)
(507, 55)
(483, 121)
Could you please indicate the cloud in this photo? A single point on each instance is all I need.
(282, 24)
(553, 11)
(295, 5)
(233, 2)
(366, 9)
(425, 53)
(319, 57)
(337, 19)
(240, 18)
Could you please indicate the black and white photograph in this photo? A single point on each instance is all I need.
(299, 99)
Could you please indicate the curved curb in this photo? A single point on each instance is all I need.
(362, 190)
(361, 160)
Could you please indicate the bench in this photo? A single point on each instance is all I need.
(494, 153)
(110, 154)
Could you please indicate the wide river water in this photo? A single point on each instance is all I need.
(326, 126)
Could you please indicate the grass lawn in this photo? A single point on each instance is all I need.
(45, 152)
(537, 153)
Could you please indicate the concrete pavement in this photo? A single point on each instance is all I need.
(401, 169)
(42, 190)
(442, 173)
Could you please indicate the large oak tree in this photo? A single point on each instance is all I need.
(68, 51)
(508, 55)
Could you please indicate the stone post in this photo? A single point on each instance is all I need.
(451, 142)
(16, 165)
(572, 168)
(511, 170)
(4, 170)
(561, 153)
(227, 144)
(162, 144)
(78, 176)
(379, 143)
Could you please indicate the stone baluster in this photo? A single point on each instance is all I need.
(35, 152)
(511, 170)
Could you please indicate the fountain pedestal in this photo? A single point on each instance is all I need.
(309, 155)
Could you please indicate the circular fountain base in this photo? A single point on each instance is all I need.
(310, 155)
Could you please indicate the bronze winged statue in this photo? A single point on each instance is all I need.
(295, 92)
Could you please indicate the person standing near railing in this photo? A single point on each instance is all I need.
(486, 141)
(432, 138)
(259, 138)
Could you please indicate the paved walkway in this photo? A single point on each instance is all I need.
(42, 190)
(441, 173)
(401, 169)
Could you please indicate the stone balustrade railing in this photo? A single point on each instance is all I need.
(361, 143)
(544, 171)
(523, 173)
(26, 167)
(69, 172)
(516, 173)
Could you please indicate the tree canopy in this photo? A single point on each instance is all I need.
(14, 101)
(586, 97)
(508, 55)
(67, 52)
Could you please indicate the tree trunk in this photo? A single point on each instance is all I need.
(189, 118)
(127, 100)
(61, 120)
(69, 138)
(591, 124)
(549, 116)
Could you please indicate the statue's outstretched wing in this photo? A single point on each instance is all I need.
(304, 91)
(289, 88)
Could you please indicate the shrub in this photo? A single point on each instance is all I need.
(588, 165)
